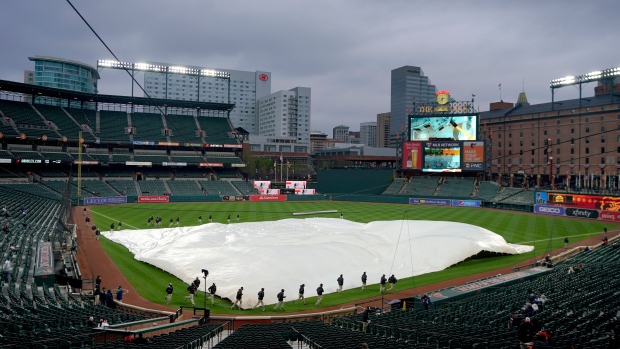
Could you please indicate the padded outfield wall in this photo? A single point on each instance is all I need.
(350, 181)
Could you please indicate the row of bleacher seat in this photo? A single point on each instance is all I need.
(37, 120)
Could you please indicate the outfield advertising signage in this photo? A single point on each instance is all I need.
(582, 213)
(549, 210)
(267, 197)
(153, 199)
(596, 202)
(295, 184)
(262, 184)
(610, 216)
(435, 202)
(106, 200)
(466, 203)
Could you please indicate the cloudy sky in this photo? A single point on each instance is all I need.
(343, 49)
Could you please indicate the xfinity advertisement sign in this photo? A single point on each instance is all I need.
(582, 213)
(550, 210)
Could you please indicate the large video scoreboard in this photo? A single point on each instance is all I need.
(441, 143)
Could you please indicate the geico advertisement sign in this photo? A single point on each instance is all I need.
(610, 216)
(549, 210)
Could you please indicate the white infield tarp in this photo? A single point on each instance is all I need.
(290, 252)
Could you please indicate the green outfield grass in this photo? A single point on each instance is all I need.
(543, 232)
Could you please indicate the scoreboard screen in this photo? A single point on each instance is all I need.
(444, 156)
(456, 128)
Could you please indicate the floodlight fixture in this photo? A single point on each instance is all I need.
(162, 68)
(585, 78)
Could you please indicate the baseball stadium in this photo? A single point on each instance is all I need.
(158, 201)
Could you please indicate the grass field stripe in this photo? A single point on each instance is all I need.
(101, 214)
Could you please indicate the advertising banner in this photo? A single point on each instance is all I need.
(239, 146)
(436, 202)
(5, 161)
(412, 155)
(155, 199)
(267, 197)
(262, 184)
(106, 200)
(466, 203)
(87, 162)
(269, 191)
(142, 143)
(549, 210)
(473, 156)
(211, 164)
(295, 184)
(173, 144)
(174, 163)
(582, 213)
(138, 163)
(459, 128)
(305, 192)
(596, 202)
(610, 216)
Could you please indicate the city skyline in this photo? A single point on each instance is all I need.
(466, 48)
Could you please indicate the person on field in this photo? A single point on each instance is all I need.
(340, 283)
(87, 221)
(191, 290)
(261, 295)
(212, 290)
(171, 223)
(319, 293)
(120, 226)
(281, 297)
(200, 219)
(301, 293)
(112, 228)
(210, 218)
(392, 280)
(364, 278)
(238, 299)
(178, 221)
(169, 291)
(382, 284)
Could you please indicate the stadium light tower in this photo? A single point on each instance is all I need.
(165, 69)
(599, 75)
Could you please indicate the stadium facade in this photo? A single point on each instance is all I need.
(408, 84)
(244, 88)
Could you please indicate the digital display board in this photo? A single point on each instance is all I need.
(473, 156)
(444, 156)
(457, 128)
(412, 155)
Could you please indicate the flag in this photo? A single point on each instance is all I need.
(281, 158)
(500, 86)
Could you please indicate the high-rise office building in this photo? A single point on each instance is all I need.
(341, 134)
(408, 85)
(285, 114)
(383, 130)
(368, 133)
(243, 89)
(62, 73)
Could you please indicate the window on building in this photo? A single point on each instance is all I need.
(587, 140)
(558, 122)
(602, 160)
(602, 139)
(499, 144)
(510, 152)
(572, 121)
(602, 117)
(587, 160)
(587, 150)
(602, 150)
(510, 135)
(587, 119)
(572, 131)
(557, 141)
(532, 152)
(533, 144)
(544, 132)
(557, 151)
(520, 134)
(510, 144)
(602, 128)
(572, 161)
(572, 141)
(520, 143)
(532, 161)
(587, 130)
(520, 152)
(499, 135)
(572, 150)
(499, 153)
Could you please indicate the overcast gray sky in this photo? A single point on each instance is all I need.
(342, 49)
